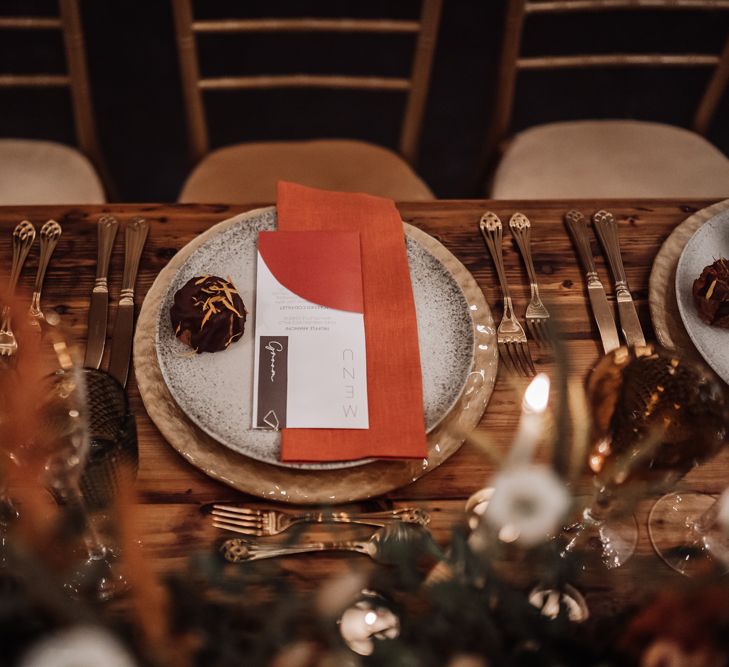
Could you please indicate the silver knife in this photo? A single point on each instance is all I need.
(604, 318)
(96, 338)
(121, 344)
(607, 230)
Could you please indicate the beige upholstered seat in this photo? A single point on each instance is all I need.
(249, 172)
(44, 172)
(610, 158)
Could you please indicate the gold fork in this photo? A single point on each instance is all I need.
(265, 522)
(49, 235)
(510, 335)
(23, 237)
(537, 315)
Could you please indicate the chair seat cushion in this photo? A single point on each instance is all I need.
(610, 158)
(247, 173)
(45, 172)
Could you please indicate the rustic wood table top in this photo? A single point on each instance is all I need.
(172, 493)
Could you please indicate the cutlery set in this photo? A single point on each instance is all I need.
(135, 236)
(510, 335)
(394, 526)
(23, 238)
(607, 231)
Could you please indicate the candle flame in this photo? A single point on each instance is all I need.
(537, 394)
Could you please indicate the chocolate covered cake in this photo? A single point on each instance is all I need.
(711, 294)
(208, 314)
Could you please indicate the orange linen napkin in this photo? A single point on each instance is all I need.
(394, 381)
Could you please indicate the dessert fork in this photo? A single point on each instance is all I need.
(260, 523)
(23, 237)
(537, 315)
(49, 235)
(510, 336)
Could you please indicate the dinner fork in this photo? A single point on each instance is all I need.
(537, 315)
(49, 235)
(264, 522)
(510, 336)
(23, 237)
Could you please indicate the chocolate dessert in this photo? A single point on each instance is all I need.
(711, 294)
(208, 314)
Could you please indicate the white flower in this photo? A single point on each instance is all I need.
(527, 505)
(78, 647)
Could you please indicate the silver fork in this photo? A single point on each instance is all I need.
(537, 315)
(264, 522)
(510, 336)
(49, 235)
(23, 237)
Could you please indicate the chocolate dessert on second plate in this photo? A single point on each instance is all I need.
(711, 294)
(208, 314)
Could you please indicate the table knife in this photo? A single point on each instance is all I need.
(607, 230)
(135, 236)
(601, 310)
(96, 338)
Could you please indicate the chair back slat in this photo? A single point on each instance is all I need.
(379, 26)
(512, 62)
(564, 6)
(304, 81)
(619, 60)
(29, 23)
(416, 86)
(68, 22)
(34, 81)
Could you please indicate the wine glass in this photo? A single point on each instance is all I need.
(72, 419)
(685, 533)
(655, 416)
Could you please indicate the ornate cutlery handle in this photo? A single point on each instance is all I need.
(23, 237)
(49, 235)
(107, 228)
(134, 240)
(577, 225)
(238, 550)
(607, 230)
(413, 515)
(521, 230)
(491, 230)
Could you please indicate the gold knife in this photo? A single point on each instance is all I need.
(96, 337)
(604, 318)
(607, 230)
(135, 236)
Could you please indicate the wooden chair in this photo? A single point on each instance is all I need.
(46, 172)
(248, 172)
(605, 158)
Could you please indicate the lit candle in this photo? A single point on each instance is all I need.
(531, 423)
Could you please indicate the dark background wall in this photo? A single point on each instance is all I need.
(138, 101)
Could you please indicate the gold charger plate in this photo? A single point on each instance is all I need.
(665, 317)
(319, 486)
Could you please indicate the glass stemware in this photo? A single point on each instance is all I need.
(72, 419)
(656, 416)
(685, 533)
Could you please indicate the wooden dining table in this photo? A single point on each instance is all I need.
(173, 495)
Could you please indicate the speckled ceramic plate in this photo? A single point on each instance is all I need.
(215, 390)
(708, 244)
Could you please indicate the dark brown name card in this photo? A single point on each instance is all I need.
(272, 382)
